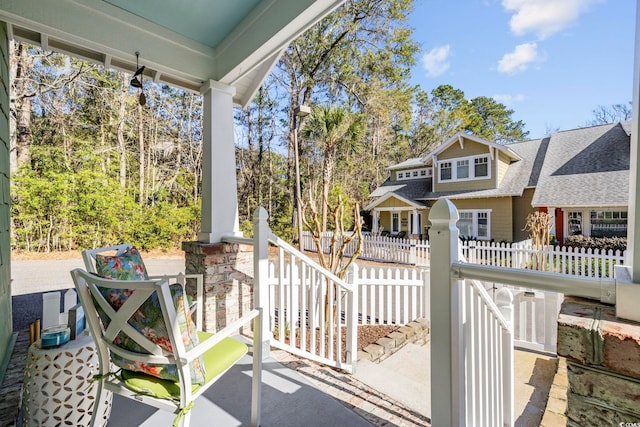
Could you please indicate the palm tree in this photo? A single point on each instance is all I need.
(332, 129)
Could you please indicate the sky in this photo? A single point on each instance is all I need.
(552, 62)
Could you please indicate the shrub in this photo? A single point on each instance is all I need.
(601, 243)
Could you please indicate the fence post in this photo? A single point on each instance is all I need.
(447, 376)
(504, 301)
(352, 317)
(413, 259)
(261, 275)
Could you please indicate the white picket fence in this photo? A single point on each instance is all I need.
(565, 260)
(487, 331)
(392, 296)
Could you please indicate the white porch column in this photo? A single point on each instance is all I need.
(219, 188)
(628, 288)
(376, 220)
(415, 226)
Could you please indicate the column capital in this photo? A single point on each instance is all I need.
(213, 85)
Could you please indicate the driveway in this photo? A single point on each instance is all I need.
(31, 278)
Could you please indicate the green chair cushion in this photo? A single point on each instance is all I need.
(216, 360)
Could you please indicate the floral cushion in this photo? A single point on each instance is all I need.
(126, 266)
(148, 319)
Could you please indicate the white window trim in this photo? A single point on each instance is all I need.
(471, 166)
(474, 222)
(427, 173)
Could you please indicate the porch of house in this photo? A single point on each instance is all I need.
(298, 392)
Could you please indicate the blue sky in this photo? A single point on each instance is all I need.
(551, 61)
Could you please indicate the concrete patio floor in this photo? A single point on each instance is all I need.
(299, 392)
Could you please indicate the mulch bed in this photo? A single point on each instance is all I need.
(367, 334)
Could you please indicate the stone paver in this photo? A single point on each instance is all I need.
(371, 404)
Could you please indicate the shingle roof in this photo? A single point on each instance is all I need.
(580, 167)
(586, 167)
(411, 189)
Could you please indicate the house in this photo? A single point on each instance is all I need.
(495, 186)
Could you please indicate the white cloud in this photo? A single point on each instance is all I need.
(519, 60)
(508, 100)
(436, 61)
(544, 17)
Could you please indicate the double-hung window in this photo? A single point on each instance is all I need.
(462, 171)
(481, 166)
(445, 171)
(465, 168)
(475, 224)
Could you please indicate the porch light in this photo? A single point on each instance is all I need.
(136, 81)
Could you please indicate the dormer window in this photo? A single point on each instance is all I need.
(481, 166)
(463, 169)
(466, 168)
(445, 171)
(414, 174)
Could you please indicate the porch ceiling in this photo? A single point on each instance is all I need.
(229, 41)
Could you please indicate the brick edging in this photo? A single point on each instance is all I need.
(413, 332)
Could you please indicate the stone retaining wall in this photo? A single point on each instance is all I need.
(414, 332)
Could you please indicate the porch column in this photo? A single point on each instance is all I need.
(628, 292)
(219, 189)
(376, 220)
(415, 226)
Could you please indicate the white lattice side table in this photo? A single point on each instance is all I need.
(57, 388)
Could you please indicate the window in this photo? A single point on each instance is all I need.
(483, 225)
(475, 224)
(463, 169)
(575, 223)
(608, 223)
(465, 223)
(395, 226)
(481, 166)
(414, 174)
(445, 171)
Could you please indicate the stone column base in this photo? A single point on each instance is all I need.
(227, 269)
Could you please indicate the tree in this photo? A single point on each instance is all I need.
(615, 113)
(365, 44)
(333, 130)
(492, 121)
(447, 112)
(539, 226)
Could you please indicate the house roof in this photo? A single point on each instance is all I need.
(586, 167)
(460, 136)
(185, 45)
(408, 191)
(559, 167)
(411, 163)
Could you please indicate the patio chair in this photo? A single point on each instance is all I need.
(148, 348)
(91, 256)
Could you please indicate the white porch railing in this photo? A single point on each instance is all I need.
(313, 312)
(453, 340)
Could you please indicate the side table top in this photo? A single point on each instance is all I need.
(83, 340)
